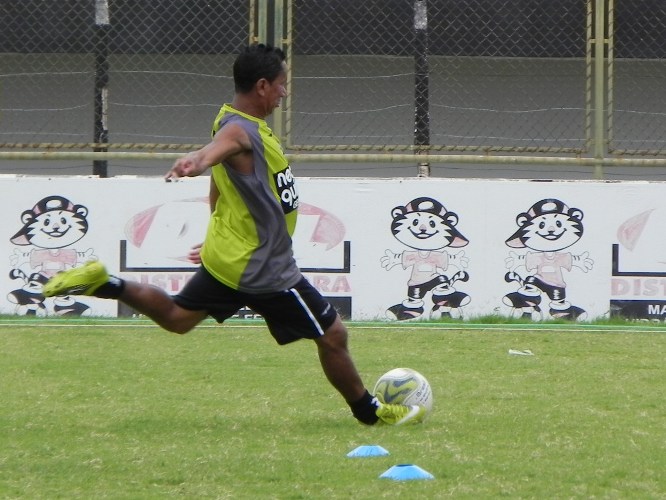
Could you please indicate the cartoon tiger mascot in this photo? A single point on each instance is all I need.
(426, 228)
(50, 228)
(547, 228)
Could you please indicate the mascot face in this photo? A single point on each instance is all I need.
(424, 224)
(552, 232)
(548, 226)
(53, 223)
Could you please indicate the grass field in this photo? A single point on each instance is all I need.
(123, 410)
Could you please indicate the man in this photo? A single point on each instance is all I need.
(246, 258)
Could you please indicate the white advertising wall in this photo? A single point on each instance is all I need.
(393, 249)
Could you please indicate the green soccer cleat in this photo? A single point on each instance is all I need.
(83, 280)
(400, 414)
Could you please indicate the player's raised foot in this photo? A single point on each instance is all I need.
(83, 280)
(391, 414)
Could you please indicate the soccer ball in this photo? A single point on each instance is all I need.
(404, 386)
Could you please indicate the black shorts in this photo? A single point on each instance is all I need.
(293, 314)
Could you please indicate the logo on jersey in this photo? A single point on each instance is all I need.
(286, 190)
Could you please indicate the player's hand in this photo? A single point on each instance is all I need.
(194, 255)
(186, 166)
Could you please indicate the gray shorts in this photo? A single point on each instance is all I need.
(293, 314)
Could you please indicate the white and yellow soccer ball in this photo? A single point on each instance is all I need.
(404, 386)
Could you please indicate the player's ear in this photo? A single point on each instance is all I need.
(261, 86)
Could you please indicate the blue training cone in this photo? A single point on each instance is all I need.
(368, 451)
(406, 472)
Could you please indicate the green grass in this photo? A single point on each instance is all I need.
(117, 409)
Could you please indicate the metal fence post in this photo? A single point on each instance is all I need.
(599, 86)
(421, 85)
(288, 46)
(278, 30)
(610, 76)
(101, 128)
(262, 21)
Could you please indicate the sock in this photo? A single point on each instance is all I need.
(365, 409)
(111, 289)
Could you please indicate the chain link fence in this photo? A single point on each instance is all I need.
(162, 66)
(637, 77)
(469, 76)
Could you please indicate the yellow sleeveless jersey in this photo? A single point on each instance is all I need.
(248, 244)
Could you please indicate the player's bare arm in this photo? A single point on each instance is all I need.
(229, 142)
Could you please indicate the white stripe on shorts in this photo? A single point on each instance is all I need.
(307, 310)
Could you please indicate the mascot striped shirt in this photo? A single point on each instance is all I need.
(248, 243)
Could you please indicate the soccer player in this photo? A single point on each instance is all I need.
(246, 258)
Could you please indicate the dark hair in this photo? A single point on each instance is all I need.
(255, 62)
